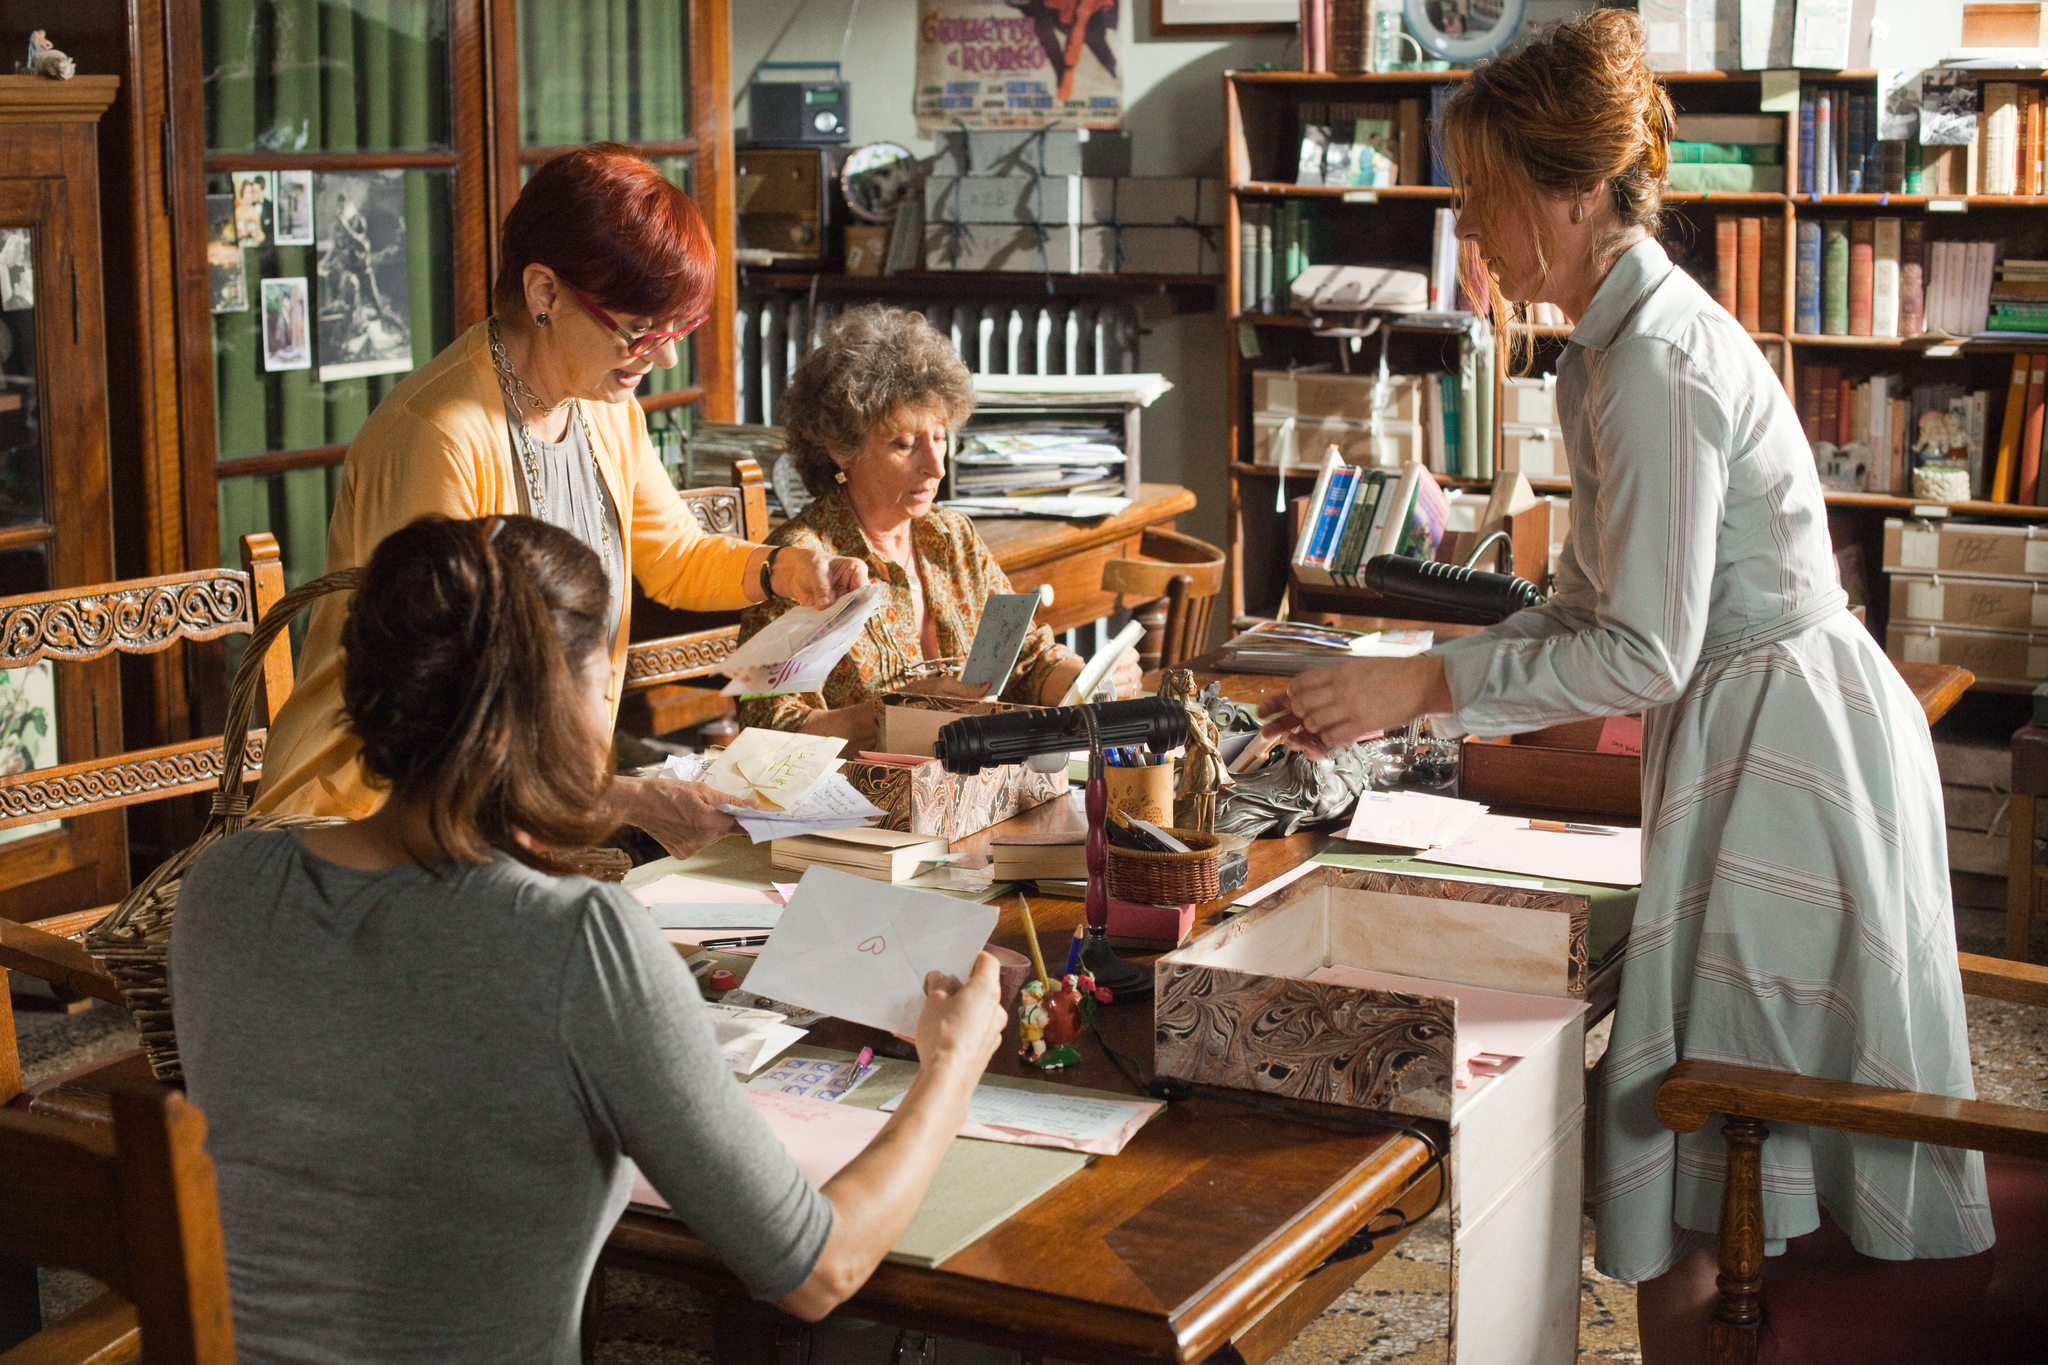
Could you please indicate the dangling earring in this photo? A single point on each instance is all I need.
(542, 318)
(1578, 216)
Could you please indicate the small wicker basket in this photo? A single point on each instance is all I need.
(1168, 878)
(133, 944)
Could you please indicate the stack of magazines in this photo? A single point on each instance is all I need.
(1036, 456)
(1289, 647)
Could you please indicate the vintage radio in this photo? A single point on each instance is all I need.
(785, 202)
(803, 112)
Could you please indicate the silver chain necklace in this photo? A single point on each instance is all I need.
(521, 398)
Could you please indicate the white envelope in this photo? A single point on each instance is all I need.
(859, 949)
(795, 651)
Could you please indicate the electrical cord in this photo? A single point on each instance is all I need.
(1171, 1090)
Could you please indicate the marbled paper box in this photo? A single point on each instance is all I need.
(1347, 987)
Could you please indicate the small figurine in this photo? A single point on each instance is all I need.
(1203, 773)
(1049, 1019)
(45, 60)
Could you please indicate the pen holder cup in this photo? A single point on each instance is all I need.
(1168, 878)
(1142, 793)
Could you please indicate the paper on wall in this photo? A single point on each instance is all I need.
(859, 949)
(795, 651)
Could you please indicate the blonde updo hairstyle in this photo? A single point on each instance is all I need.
(872, 364)
(1576, 106)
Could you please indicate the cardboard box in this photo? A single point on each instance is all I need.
(1537, 451)
(1165, 251)
(1029, 250)
(1156, 201)
(924, 798)
(2002, 656)
(1312, 394)
(1974, 548)
(1530, 400)
(1388, 1045)
(1987, 603)
(2005, 25)
(1303, 444)
(984, 199)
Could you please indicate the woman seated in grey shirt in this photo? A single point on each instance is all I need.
(429, 1066)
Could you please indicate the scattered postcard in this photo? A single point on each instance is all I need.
(252, 208)
(750, 1038)
(1039, 1116)
(795, 651)
(287, 328)
(860, 949)
(291, 209)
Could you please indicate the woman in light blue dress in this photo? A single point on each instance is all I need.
(1795, 909)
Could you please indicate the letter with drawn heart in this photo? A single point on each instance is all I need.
(859, 949)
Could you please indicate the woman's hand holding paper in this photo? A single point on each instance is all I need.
(961, 1022)
(1325, 709)
(683, 817)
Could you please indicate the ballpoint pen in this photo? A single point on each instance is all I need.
(1567, 827)
(745, 941)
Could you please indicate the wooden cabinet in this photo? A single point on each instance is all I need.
(56, 509)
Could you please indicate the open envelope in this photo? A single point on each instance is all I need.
(795, 651)
(859, 949)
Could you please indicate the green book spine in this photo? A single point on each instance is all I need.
(1468, 416)
(1371, 484)
(1834, 277)
(1454, 450)
(1488, 427)
(1726, 154)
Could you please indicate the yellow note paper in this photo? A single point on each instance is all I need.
(775, 767)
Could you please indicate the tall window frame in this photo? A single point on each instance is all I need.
(483, 159)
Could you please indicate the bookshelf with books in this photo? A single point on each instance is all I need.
(1863, 345)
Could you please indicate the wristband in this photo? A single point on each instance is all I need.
(768, 573)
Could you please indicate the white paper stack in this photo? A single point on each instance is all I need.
(795, 651)
(1411, 819)
(831, 804)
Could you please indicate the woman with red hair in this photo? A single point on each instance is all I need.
(605, 267)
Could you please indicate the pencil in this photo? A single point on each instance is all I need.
(1031, 940)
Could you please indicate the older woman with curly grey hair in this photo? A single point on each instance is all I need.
(869, 411)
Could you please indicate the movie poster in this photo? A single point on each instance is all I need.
(1019, 64)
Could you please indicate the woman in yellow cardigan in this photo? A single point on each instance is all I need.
(606, 267)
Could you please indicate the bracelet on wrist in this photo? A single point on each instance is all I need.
(768, 573)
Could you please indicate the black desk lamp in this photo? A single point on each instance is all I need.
(973, 743)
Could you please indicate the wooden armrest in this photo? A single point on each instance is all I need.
(58, 961)
(1694, 1091)
(103, 1332)
(74, 925)
(2002, 978)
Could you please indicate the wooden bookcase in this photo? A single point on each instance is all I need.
(1395, 224)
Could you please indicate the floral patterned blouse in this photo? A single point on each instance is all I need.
(959, 575)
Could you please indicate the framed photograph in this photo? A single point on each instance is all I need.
(17, 269)
(365, 291)
(224, 264)
(252, 208)
(292, 208)
(1223, 18)
(1463, 30)
(287, 325)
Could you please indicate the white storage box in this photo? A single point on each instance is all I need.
(1530, 401)
(1532, 450)
(1975, 548)
(1987, 603)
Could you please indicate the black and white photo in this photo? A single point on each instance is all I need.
(17, 269)
(287, 331)
(365, 295)
(291, 210)
(225, 268)
(1948, 108)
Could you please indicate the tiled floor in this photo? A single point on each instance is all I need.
(1394, 1314)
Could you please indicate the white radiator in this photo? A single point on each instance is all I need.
(994, 336)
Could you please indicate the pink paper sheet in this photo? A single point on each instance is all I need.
(821, 1137)
(1503, 843)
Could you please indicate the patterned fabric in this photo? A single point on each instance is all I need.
(959, 575)
(1795, 907)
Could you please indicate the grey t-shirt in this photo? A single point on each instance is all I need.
(422, 1087)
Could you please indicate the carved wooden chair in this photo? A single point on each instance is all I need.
(136, 1209)
(670, 647)
(1822, 1302)
(1174, 583)
(78, 624)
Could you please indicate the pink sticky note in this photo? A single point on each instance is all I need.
(676, 889)
(820, 1136)
(1621, 735)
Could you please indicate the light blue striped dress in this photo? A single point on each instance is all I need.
(1795, 905)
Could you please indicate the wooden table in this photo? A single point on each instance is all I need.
(1200, 1241)
(1070, 554)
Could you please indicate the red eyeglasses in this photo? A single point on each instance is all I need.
(635, 345)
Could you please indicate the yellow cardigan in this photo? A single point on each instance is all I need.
(439, 443)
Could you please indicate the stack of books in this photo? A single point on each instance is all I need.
(1356, 513)
(1044, 455)
(1046, 843)
(1728, 154)
(1858, 431)
(883, 855)
(2019, 297)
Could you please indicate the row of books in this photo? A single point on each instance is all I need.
(1357, 513)
(2016, 474)
(2019, 297)
(1749, 274)
(1276, 242)
(1870, 436)
(1362, 144)
(1863, 277)
(2011, 128)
